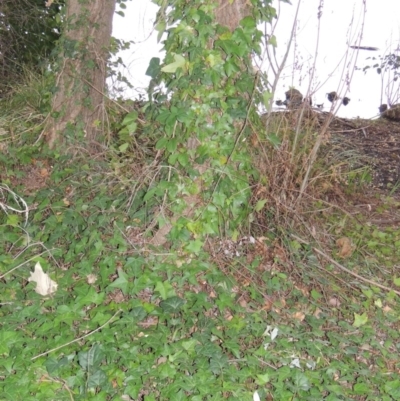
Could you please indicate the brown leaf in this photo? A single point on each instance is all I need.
(345, 247)
(300, 316)
(334, 302)
(44, 172)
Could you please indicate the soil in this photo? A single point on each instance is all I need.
(376, 143)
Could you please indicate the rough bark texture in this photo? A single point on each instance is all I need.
(230, 13)
(79, 99)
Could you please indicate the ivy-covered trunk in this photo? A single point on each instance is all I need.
(78, 102)
(212, 93)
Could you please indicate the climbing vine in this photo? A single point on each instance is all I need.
(204, 97)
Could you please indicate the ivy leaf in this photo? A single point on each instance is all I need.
(138, 313)
(52, 364)
(248, 22)
(91, 358)
(272, 41)
(96, 379)
(178, 63)
(361, 388)
(195, 246)
(262, 379)
(360, 320)
(218, 364)
(154, 67)
(393, 389)
(160, 28)
(165, 289)
(172, 304)
(301, 381)
(231, 67)
(122, 282)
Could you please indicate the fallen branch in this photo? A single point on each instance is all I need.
(354, 274)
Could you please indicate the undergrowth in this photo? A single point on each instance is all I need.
(271, 311)
(129, 323)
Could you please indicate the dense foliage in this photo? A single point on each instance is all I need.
(29, 30)
(218, 313)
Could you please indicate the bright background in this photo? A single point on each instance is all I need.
(342, 23)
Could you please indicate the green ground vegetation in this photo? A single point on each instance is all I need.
(266, 311)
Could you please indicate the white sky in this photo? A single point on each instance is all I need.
(341, 24)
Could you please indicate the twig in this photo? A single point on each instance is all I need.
(79, 338)
(354, 274)
(24, 263)
(18, 199)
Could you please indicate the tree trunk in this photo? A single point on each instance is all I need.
(227, 14)
(78, 104)
(230, 13)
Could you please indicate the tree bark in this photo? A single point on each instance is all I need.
(78, 104)
(230, 13)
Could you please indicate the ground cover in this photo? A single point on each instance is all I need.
(279, 312)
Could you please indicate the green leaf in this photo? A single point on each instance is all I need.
(396, 281)
(183, 159)
(162, 143)
(96, 379)
(91, 297)
(138, 313)
(248, 22)
(218, 364)
(360, 320)
(173, 158)
(91, 358)
(172, 304)
(52, 364)
(189, 345)
(195, 246)
(300, 381)
(272, 41)
(154, 67)
(361, 388)
(393, 389)
(6, 340)
(275, 140)
(160, 28)
(267, 96)
(172, 145)
(130, 118)
(122, 148)
(179, 62)
(122, 282)
(231, 67)
(260, 205)
(150, 194)
(165, 289)
(263, 379)
(13, 220)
